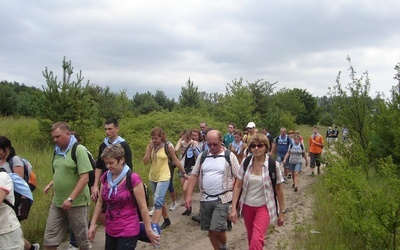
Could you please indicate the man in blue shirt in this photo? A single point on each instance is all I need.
(280, 148)
(228, 138)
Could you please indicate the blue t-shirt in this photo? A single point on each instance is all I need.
(283, 144)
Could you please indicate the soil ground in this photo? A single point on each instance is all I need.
(186, 234)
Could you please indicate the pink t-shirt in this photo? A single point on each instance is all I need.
(121, 213)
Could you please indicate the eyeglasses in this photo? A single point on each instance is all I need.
(212, 144)
(257, 145)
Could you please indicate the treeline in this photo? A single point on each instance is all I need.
(77, 101)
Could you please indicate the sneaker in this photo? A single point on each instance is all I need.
(37, 246)
(289, 176)
(295, 189)
(312, 174)
(188, 212)
(151, 212)
(165, 224)
(71, 247)
(173, 206)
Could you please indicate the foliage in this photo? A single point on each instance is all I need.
(67, 101)
(326, 120)
(189, 97)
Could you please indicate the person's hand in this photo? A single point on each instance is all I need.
(95, 192)
(47, 188)
(66, 205)
(281, 219)
(233, 215)
(188, 202)
(186, 176)
(92, 232)
(153, 237)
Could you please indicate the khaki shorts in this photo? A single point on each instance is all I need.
(214, 215)
(13, 240)
(58, 221)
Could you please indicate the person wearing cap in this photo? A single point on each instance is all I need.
(251, 128)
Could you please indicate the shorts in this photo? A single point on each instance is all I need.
(315, 160)
(159, 190)
(279, 158)
(295, 167)
(58, 221)
(13, 240)
(214, 215)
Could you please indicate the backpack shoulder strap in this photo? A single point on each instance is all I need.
(228, 157)
(166, 145)
(247, 162)
(73, 152)
(129, 184)
(272, 175)
(203, 156)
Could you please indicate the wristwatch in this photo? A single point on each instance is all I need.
(70, 199)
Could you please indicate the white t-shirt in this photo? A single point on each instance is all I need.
(213, 173)
(8, 219)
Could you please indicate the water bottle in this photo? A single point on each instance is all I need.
(156, 230)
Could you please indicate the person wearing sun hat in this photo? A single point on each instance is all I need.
(252, 130)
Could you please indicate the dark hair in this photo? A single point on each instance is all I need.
(113, 121)
(6, 143)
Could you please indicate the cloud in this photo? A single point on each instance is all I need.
(157, 45)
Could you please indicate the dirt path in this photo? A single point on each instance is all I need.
(186, 234)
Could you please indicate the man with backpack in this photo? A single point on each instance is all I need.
(12, 163)
(316, 144)
(112, 128)
(280, 148)
(217, 177)
(70, 204)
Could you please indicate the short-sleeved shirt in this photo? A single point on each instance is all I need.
(267, 186)
(121, 212)
(8, 219)
(282, 144)
(16, 161)
(228, 139)
(296, 153)
(159, 170)
(66, 176)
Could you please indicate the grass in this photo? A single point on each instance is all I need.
(38, 149)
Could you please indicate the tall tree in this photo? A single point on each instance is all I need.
(67, 101)
(189, 97)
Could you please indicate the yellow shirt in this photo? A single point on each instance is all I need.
(159, 170)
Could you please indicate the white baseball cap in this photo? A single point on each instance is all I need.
(251, 125)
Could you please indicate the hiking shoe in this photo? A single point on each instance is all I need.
(312, 174)
(151, 212)
(293, 185)
(289, 176)
(173, 206)
(188, 212)
(37, 246)
(166, 224)
(295, 189)
(229, 224)
(196, 218)
(70, 247)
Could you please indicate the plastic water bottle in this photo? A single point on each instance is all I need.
(156, 230)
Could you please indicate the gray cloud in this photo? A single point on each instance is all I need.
(157, 45)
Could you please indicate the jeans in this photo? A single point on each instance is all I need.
(159, 190)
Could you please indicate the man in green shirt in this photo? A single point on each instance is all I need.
(70, 204)
(229, 138)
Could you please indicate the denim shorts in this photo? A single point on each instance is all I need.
(295, 167)
(159, 190)
(279, 158)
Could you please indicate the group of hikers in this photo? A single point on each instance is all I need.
(238, 174)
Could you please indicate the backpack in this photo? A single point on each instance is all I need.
(23, 196)
(92, 162)
(205, 155)
(130, 188)
(171, 164)
(29, 175)
(272, 175)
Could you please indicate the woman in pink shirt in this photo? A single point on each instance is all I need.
(122, 221)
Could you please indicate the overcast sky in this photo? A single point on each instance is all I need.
(158, 45)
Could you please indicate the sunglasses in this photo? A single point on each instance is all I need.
(212, 144)
(257, 145)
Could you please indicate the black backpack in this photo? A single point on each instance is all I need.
(171, 164)
(92, 162)
(272, 175)
(130, 188)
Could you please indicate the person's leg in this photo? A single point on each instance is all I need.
(172, 192)
(188, 212)
(312, 163)
(126, 243)
(318, 162)
(248, 218)
(72, 240)
(159, 191)
(217, 239)
(261, 222)
(79, 221)
(296, 175)
(218, 227)
(56, 227)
